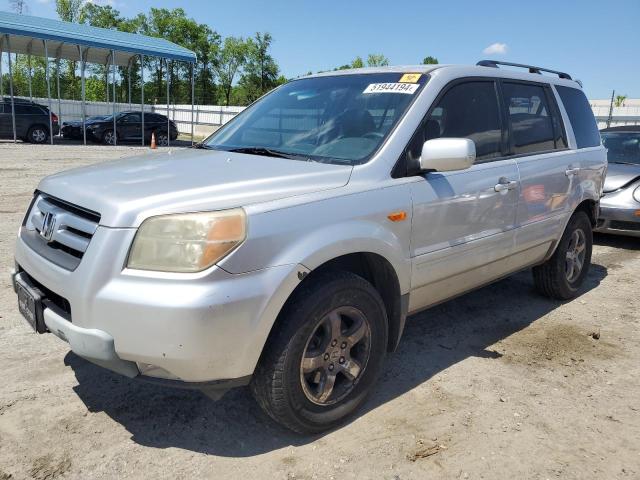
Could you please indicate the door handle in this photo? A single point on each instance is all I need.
(571, 171)
(503, 185)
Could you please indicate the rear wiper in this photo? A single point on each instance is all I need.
(267, 152)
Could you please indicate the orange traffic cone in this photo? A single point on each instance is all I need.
(153, 141)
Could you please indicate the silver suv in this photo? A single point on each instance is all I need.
(286, 251)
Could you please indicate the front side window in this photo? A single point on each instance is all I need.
(581, 116)
(530, 117)
(338, 119)
(468, 110)
(132, 118)
(622, 147)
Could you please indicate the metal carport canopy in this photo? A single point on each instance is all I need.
(63, 39)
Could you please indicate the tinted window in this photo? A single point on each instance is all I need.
(28, 110)
(530, 118)
(468, 110)
(581, 116)
(132, 118)
(622, 147)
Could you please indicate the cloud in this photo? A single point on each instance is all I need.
(496, 49)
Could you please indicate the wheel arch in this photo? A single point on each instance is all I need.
(378, 271)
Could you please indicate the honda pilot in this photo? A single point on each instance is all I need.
(286, 251)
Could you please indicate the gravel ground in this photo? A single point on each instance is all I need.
(500, 383)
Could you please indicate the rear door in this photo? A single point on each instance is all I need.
(539, 145)
(463, 221)
(6, 129)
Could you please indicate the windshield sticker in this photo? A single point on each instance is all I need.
(410, 78)
(407, 88)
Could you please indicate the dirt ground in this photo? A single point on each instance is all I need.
(500, 383)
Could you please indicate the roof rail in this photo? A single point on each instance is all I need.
(532, 69)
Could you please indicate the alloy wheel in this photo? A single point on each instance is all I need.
(576, 250)
(38, 135)
(335, 356)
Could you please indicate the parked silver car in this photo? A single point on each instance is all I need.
(287, 250)
(620, 204)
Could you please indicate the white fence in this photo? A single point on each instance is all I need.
(206, 115)
(216, 115)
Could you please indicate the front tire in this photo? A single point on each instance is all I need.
(108, 137)
(324, 355)
(561, 276)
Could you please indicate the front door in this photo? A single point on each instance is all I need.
(463, 221)
(130, 126)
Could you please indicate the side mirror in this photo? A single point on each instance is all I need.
(447, 154)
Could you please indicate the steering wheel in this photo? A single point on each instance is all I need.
(373, 135)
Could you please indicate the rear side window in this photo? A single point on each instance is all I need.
(530, 117)
(581, 116)
(28, 110)
(467, 110)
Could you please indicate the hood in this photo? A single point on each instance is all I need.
(127, 191)
(619, 175)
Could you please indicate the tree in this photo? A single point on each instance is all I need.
(69, 11)
(430, 60)
(19, 6)
(355, 63)
(229, 62)
(619, 102)
(377, 60)
(261, 71)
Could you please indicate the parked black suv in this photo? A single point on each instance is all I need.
(129, 128)
(32, 121)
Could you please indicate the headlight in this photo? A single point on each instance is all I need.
(188, 242)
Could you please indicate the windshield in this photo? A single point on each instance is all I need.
(622, 147)
(338, 119)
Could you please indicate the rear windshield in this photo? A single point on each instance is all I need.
(337, 119)
(622, 147)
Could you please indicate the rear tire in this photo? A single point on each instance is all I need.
(324, 355)
(38, 134)
(561, 276)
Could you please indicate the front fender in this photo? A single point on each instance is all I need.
(316, 232)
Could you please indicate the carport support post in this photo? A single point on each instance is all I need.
(29, 67)
(193, 99)
(58, 88)
(168, 121)
(13, 110)
(83, 56)
(1, 78)
(129, 79)
(142, 95)
(46, 71)
(113, 82)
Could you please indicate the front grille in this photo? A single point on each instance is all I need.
(621, 225)
(59, 231)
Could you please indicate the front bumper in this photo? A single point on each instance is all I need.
(619, 219)
(206, 327)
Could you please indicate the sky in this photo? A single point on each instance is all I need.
(597, 42)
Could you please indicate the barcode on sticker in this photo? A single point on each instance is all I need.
(408, 88)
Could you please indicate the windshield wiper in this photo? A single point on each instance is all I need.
(202, 146)
(267, 152)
